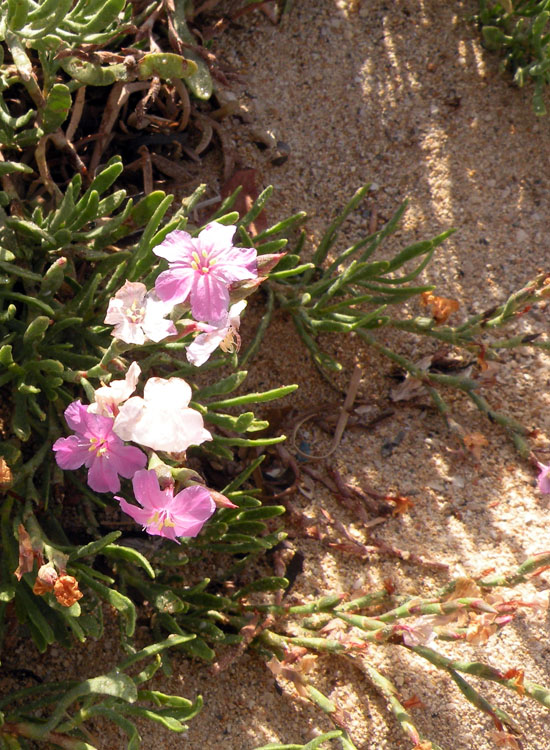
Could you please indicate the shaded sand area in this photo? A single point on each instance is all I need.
(399, 94)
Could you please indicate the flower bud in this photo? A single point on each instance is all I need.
(267, 262)
(45, 580)
(220, 500)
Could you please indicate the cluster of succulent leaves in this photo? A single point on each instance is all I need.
(52, 50)
(519, 30)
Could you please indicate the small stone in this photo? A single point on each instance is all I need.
(281, 154)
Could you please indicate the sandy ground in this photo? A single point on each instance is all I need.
(399, 94)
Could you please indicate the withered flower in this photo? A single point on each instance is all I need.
(45, 580)
(66, 590)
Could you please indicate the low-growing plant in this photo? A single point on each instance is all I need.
(124, 398)
(518, 29)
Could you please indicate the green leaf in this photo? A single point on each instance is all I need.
(92, 548)
(121, 603)
(165, 65)
(227, 385)
(134, 738)
(7, 592)
(270, 583)
(27, 610)
(145, 713)
(93, 74)
(254, 398)
(156, 648)
(495, 38)
(17, 13)
(199, 83)
(58, 105)
(115, 684)
(9, 167)
(128, 554)
(261, 513)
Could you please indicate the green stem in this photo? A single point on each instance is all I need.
(478, 669)
(262, 328)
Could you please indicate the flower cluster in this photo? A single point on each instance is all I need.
(160, 420)
(203, 273)
(209, 277)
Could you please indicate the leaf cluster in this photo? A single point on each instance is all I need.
(518, 29)
(55, 712)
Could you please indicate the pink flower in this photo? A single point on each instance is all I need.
(164, 514)
(203, 268)
(138, 316)
(225, 336)
(544, 479)
(419, 631)
(161, 419)
(108, 397)
(97, 447)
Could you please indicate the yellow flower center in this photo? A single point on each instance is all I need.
(135, 313)
(98, 446)
(202, 264)
(160, 522)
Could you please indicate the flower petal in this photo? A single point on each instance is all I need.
(216, 238)
(190, 510)
(74, 416)
(71, 452)
(158, 329)
(139, 515)
(108, 397)
(544, 479)
(237, 264)
(147, 490)
(128, 415)
(177, 245)
(126, 459)
(209, 299)
(102, 475)
(174, 285)
(199, 351)
(171, 393)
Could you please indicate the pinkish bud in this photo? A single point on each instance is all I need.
(267, 262)
(220, 500)
(47, 575)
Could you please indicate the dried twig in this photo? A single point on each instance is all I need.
(342, 419)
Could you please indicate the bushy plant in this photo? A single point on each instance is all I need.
(101, 294)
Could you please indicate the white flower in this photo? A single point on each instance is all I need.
(225, 336)
(138, 316)
(108, 397)
(161, 419)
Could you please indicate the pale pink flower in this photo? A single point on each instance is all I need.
(161, 419)
(419, 631)
(226, 336)
(138, 315)
(544, 479)
(203, 269)
(164, 514)
(108, 397)
(97, 447)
